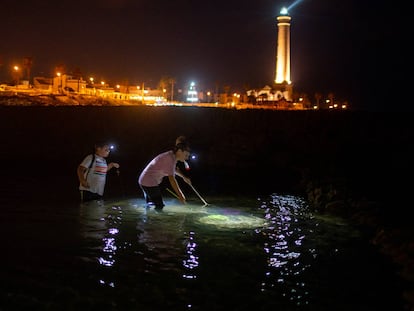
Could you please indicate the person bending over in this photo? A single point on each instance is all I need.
(164, 165)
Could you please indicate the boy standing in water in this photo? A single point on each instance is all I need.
(161, 166)
(92, 173)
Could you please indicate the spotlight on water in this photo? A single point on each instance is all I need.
(232, 221)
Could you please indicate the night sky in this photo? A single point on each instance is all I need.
(344, 47)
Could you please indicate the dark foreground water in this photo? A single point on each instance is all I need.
(266, 253)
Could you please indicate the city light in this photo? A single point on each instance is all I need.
(192, 96)
(276, 96)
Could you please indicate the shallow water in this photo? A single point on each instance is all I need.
(266, 253)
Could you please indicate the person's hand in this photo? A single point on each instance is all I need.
(182, 199)
(116, 165)
(84, 183)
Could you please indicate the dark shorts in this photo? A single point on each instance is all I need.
(153, 196)
(89, 196)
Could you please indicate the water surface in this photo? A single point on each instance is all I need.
(237, 253)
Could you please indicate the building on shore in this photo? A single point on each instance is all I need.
(280, 93)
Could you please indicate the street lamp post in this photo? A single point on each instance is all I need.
(172, 90)
(92, 83)
(17, 75)
(59, 82)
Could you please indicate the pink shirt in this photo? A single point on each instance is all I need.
(162, 165)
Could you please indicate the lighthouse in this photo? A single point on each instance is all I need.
(283, 84)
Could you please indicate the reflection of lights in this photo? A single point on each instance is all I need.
(104, 262)
(111, 284)
(192, 260)
(284, 244)
(110, 248)
(113, 230)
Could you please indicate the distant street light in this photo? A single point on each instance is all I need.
(192, 95)
(91, 79)
(16, 74)
(59, 82)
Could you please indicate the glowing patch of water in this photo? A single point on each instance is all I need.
(232, 221)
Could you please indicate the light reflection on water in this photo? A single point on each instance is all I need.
(237, 254)
(285, 247)
(264, 250)
(190, 261)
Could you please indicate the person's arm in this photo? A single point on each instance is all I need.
(176, 188)
(180, 174)
(81, 176)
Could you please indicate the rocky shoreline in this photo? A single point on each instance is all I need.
(8, 98)
(351, 164)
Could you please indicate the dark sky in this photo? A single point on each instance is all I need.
(337, 46)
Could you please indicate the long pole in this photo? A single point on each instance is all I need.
(201, 198)
(173, 193)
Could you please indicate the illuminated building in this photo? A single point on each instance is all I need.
(192, 96)
(280, 93)
(283, 84)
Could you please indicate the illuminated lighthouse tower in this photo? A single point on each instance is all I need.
(283, 84)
